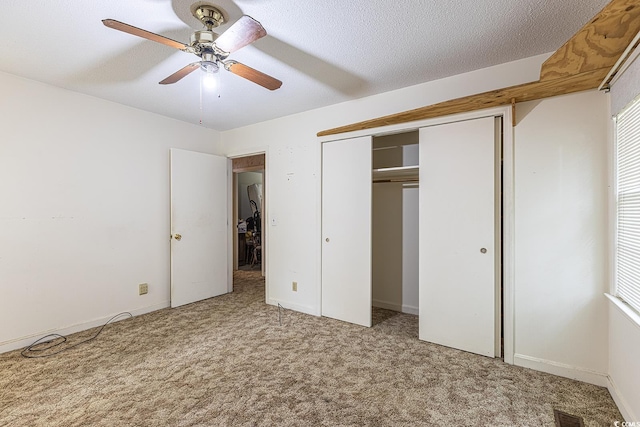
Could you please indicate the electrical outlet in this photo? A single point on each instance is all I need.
(143, 288)
(294, 286)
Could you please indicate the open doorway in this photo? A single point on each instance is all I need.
(250, 210)
(248, 198)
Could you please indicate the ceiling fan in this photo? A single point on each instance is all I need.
(213, 49)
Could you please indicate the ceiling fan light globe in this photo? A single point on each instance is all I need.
(209, 81)
(209, 67)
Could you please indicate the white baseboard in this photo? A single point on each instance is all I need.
(409, 309)
(386, 305)
(295, 307)
(621, 402)
(23, 342)
(562, 370)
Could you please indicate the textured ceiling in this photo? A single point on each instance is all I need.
(324, 52)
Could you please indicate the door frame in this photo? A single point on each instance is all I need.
(264, 215)
(508, 202)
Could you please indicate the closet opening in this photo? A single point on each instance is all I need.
(395, 227)
(420, 222)
(394, 285)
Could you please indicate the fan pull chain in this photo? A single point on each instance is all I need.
(201, 82)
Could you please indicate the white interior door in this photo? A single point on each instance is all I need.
(199, 230)
(457, 235)
(346, 230)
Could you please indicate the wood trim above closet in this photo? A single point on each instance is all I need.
(248, 163)
(580, 64)
(494, 98)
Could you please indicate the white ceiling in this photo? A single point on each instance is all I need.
(325, 52)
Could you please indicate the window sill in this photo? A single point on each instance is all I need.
(629, 312)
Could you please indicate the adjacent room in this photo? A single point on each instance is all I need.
(234, 212)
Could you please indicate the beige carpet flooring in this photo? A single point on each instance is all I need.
(227, 361)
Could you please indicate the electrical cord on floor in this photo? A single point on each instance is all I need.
(279, 316)
(40, 346)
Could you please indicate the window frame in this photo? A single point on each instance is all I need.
(632, 310)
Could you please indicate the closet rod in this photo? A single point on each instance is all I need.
(403, 180)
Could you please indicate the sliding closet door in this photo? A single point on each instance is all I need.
(346, 230)
(457, 235)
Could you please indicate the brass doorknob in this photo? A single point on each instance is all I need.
(177, 236)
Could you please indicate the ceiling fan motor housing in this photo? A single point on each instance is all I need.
(203, 37)
(203, 44)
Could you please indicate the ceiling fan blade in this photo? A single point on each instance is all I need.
(180, 73)
(253, 75)
(121, 26)
(244, 31)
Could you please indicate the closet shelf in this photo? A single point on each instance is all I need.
(396, 174)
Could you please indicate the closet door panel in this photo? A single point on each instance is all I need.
(346, 230)
(457, 235)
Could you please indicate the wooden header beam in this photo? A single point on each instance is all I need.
(494, 98)
(248, 163)
(598, 44)
(580, 64)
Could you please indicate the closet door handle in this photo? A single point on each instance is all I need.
(326, 240)
(483, 250)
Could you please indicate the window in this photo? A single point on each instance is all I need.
(627, 269)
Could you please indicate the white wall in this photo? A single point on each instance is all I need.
(84, 185)
(410, 233)
(624, 369)
(293, 169)
(387, 246)
(561, 245)
(410, 244)
(394, 284)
